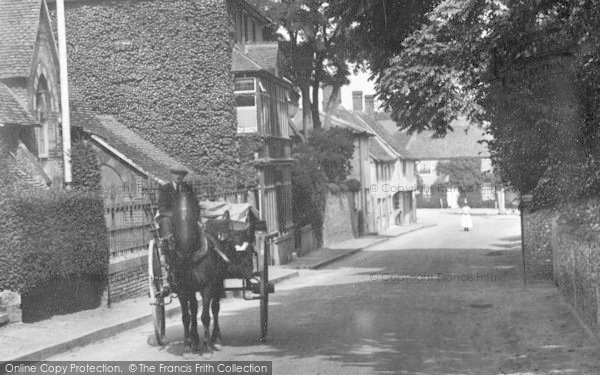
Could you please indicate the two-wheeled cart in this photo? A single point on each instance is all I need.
(238, 233)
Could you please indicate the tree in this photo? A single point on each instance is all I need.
(466, 175)
(313, 44)
(478, 58)
(324, 159)
(376, 28)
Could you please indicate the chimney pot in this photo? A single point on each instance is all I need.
(357, 101)
(370, 104)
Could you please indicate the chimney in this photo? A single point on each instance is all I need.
(370, 104)
(327, 91)
(357, 101)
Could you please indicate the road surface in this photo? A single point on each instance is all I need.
(435, 301)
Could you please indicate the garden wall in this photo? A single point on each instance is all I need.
(537, 227)
(577, 263)
(339, 221)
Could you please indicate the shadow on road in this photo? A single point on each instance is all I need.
(421, 313)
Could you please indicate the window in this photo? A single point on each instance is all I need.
(487, 192)
(396, 200)
(253, 31)
(245, 28)
(424, 168)
(243, 84)
(245, 100)
(42, 104)
(244, 89)
(403, 167)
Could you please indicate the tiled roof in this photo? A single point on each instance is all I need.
(124, 140)
(265, 55)
(460, 143)
(243, 63)
(19, 22)
(336, 120)
(377, 151)
(12, 111)
(392, 137)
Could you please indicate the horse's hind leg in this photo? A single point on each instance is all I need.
(216, 335)
(206, 318)
(194, 322)
(185, 318)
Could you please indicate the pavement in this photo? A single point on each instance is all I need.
(61, 333)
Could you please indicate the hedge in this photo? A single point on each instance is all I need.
(51, 235)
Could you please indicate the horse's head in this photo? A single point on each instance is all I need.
(186, 215)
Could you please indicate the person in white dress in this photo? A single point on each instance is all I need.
(467, 222)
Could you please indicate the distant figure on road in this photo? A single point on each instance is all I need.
(467, 222)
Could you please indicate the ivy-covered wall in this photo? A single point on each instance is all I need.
(163, 68)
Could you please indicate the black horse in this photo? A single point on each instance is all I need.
(198, 265)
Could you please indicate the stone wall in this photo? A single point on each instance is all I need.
(538, 245)
(339, 221)
(577, 263)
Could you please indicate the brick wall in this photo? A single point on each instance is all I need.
(339, 220)
(128, 279)
(577, 263)
(538, 245)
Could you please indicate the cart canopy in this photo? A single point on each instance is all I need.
(237, 211)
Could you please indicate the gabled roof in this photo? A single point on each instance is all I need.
(147, 157)
(264, 54)
(336, 121)
(253, 11)
(378, 152)
(244, 63)
(12, 111)
(395, 140)
(19, 23)
(461, 143)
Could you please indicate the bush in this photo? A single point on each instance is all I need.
(322, 164)
(49, 235)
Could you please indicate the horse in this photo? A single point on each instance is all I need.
(199, 266)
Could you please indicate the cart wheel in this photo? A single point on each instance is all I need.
(264, 306)
(156, 284)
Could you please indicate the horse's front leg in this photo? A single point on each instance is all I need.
(185, 318)
(216, 335)
(194, 322)
(206, 318)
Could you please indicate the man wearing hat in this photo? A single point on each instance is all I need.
(168, 197)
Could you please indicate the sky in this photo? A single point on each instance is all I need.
(360, 82)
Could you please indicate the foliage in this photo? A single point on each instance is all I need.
(324, 160)
(86, 171)
(466, 175)
(164, 70)
(333, 149)
(49, 235)
(309, 189)
(314, 47)
(460, 63)
(375, 28)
